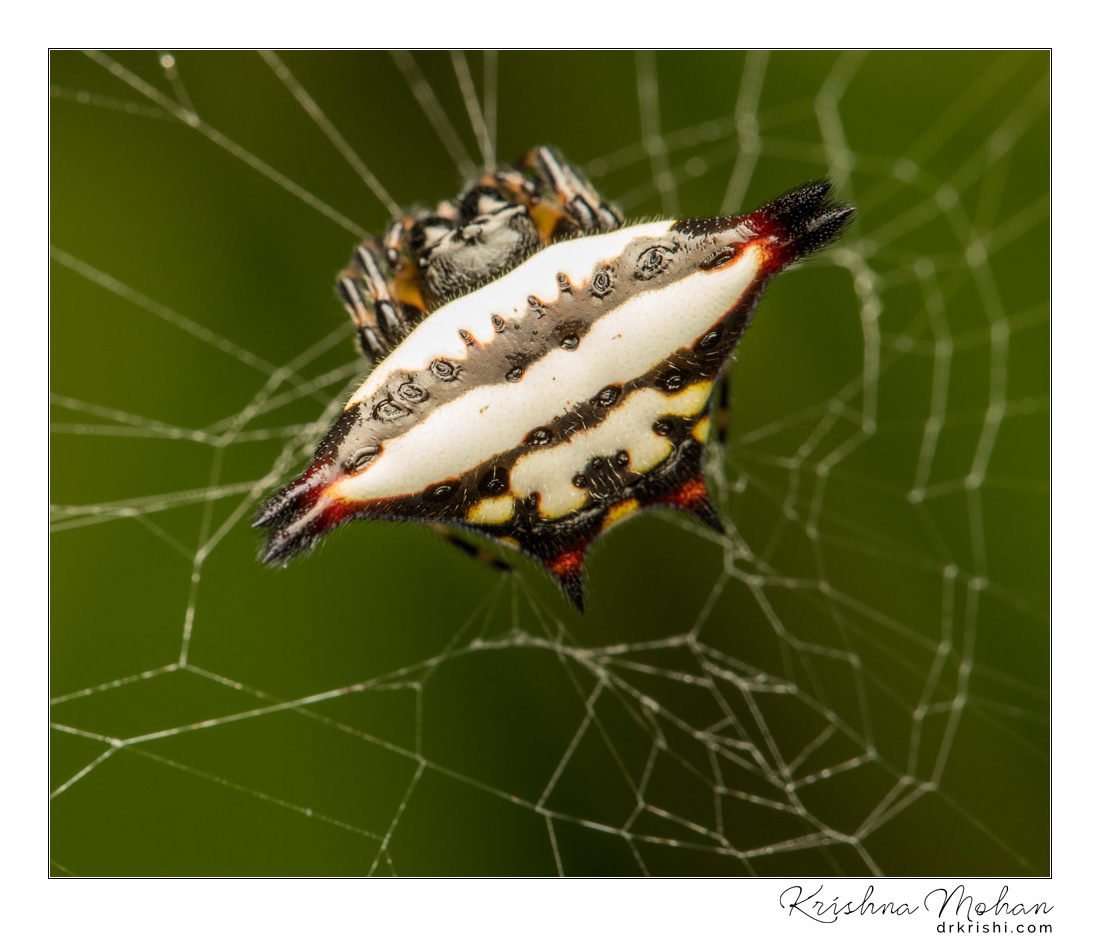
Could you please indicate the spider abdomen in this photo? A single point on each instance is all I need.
(559, 398)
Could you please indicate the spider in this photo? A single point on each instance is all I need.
(541, 372)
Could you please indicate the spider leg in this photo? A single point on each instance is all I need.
(560, 200)
(381, 319)
(478, 553)
(568, 198)
(722, 408)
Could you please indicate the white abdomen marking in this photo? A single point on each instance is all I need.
(437, 335)
(488, 420)
(630, 428)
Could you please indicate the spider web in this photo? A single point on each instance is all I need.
(853, 680)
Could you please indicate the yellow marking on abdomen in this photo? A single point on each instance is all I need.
(492, 511)
(620, 512)
(690, 400)
(561, 500)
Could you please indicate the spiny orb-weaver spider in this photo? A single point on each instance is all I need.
(540, 371)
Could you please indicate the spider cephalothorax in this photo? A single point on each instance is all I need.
(541, 371)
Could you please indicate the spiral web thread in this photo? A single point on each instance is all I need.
(780, 731)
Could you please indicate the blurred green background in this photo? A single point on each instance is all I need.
(854, 681)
